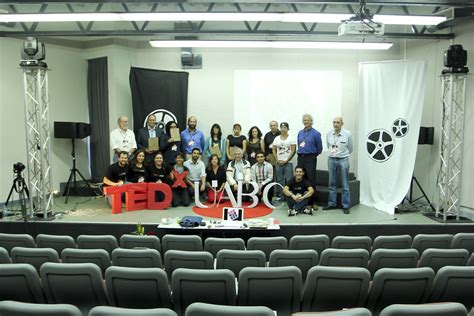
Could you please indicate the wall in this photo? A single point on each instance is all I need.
(427, 165)
(67, 102)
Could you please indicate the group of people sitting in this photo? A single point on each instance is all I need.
(230, 160)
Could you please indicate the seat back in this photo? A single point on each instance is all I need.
(315, 242)
(200, 309)
(360, 311)
(470, 261)
(454, 284)
(4, 256)
(333, 288)
(205, 286)
(57, 242)
(20, 282)
(443, 309)
(34, 256)
(278, 288)
(99, 257)
(392, 242)
(213, 245)
(8, 241)
(12, 308)
(463, 241)
(352, 242)
(438, 258)
(118, 311)
(175, 259)
(236, 260)
(105, 242)
(181, 242)
(425, 241)
(138, 258)
(393, 258)
(302, 259)
(79, 284)
(399, 286)
(267, 244)
(137, 287)
(136, 241)
(344, 257)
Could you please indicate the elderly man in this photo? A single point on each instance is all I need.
(238, 169)
(123, 139)
(192, 138)
(153, 131)
(309, 146)
(339, 143)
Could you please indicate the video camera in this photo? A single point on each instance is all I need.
(18, 167)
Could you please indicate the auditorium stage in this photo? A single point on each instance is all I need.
(91, 215)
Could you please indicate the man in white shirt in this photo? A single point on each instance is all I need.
(339, 142)
(284, 148)
(123, 139)
(196, 172)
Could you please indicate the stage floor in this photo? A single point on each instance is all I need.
(95, 210)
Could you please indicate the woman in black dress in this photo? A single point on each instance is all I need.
(255, 144)
(215, 179)
(235, 140)
(137, 170)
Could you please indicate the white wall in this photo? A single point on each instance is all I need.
(427, 164)
(68, 102)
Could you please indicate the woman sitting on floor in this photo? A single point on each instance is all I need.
(137, 171)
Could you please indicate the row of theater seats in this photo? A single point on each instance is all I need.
(236, 260)
(11, 308)
(278, 288)
(194, 243)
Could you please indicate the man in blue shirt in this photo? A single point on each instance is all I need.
(192, 138)
(339, 143)
(309, 146)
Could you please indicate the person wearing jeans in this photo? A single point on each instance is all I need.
(284, 148)
(339, 142)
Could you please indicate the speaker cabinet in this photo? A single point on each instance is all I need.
(426, 136)
(71, 130)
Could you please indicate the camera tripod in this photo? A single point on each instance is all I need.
(19, 185)
(72, 176)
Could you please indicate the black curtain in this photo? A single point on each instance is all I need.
(98, 97)
(163, 93)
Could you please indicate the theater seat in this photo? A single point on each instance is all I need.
(435, 309)
(117, 311)
(12, 308)
(200, 309)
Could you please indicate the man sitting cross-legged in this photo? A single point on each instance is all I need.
(298, 192)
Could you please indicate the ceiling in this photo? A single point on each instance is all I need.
(89, 32)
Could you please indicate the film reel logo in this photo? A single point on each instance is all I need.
(380, 145)
(400, 127)
(162, 117)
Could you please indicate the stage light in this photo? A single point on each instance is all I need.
(456, 59)
(271, 44)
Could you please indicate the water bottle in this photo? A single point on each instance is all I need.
(5, 211)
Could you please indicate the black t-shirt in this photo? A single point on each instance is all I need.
(116, 173)
(155, 174)
(268, 140)
(236, 141)
(135, 173)
(220, 176)
(298, 187)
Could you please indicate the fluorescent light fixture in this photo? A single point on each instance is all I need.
(272, 44)
(215, 16)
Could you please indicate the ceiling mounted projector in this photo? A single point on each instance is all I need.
(360, 27)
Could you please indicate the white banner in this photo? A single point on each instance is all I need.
(391, 98)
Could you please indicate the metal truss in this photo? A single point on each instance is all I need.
(451, 147)
(214, 29)
(38, 140)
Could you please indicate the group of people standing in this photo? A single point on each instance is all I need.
(257, 158)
